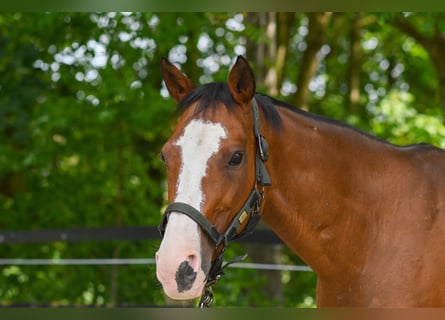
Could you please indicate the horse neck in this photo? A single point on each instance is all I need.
(317, 202)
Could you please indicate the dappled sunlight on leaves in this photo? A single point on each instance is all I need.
(397, 120)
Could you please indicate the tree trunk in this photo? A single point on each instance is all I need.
(434, 45)
(355, 60)
(269, 57)
(285, 21)
(269, 254)
(119, 204)
(315, 39)
(438, 58)
(269, 60)
(256, 48)
(278, 31)
(12, 183)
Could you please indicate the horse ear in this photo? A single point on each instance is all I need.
(242, 81)
(177, 83)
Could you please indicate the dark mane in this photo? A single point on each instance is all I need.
(321, 118)
(212, 94)
(208, 96)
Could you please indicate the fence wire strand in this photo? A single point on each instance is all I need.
(143, 261)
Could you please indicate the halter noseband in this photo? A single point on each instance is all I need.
(250, 210)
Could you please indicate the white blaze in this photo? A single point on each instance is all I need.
(200, 140)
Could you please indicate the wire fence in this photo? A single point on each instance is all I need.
(143, 261)
(260, 236)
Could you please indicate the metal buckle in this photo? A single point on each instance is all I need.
(207, 299)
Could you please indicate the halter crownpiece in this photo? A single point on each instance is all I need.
(250, 210)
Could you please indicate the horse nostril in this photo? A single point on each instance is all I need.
(193, 261)
(185, 276)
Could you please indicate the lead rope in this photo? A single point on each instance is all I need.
(207, 298)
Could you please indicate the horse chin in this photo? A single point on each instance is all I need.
(174, 292)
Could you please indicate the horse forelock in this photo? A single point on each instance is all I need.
(208, 96)
(212, 95)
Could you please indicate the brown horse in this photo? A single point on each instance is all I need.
(366, 215)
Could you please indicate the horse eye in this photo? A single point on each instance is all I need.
(236, 159)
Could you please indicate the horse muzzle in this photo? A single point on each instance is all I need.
(182, 281)
(179, 262)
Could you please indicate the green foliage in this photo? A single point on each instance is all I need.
(396, 119)
(79, 148)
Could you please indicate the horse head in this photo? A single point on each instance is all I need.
(211, 160)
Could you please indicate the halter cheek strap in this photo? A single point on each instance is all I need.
(250, 210)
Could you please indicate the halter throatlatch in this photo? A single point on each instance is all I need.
(250, 210)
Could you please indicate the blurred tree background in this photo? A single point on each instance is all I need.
(83, 114)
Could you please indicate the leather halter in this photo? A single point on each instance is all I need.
(250, 210)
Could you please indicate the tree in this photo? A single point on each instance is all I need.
(317, 24)
(429, 31)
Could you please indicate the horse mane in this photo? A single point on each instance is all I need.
(325, 119)
(210, 95)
